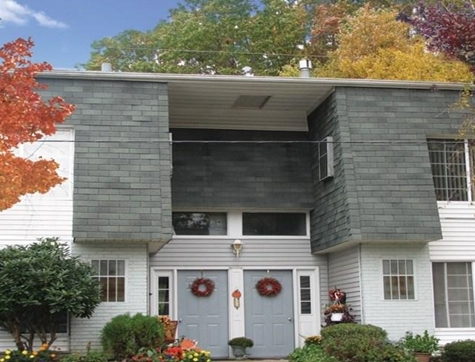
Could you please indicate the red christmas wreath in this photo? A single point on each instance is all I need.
(268, 287)
(202, 287)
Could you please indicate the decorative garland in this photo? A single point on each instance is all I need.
(268, 287)
(198, 290)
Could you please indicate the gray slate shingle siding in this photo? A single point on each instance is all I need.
(241, 175)
(383, 187)
(122, 158)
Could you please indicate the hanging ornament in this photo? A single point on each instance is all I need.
(268, 287)
(236, 298)
(202, 287)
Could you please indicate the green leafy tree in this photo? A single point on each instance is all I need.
(38, 284)
(211, 37)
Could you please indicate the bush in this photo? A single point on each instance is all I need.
(310, 353)
(88, 357)
(124, 335)
(459, 351)
(360, 343)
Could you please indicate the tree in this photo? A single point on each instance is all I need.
(38, 284)
(447, 28)
(25, 117)
(211, 37)
(371, 43)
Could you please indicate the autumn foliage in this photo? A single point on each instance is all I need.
(25, 117)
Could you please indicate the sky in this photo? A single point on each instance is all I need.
(63, 30)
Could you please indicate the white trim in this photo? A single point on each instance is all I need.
(154, 291)
(236, 317)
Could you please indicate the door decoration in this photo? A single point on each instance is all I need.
(268, 287)
(236, 298)
(202, 287)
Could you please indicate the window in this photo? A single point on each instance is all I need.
(398, 278)
(451, 163)
(305, 295)
(200, 223)
(257, 223)
(453, 295)
(325, 158)
(163, 295)
(111, 275)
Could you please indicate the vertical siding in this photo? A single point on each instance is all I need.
(458, 232)
(84, 331)
(344, 273)
(397, 316)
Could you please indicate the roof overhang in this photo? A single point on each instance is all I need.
(242, 102)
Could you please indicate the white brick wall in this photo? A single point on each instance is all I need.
(84, 331)
(397, 316)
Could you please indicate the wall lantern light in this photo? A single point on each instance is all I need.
(237, 246)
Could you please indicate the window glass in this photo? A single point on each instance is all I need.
(305, 295)
(163, 295)
(111, 276)
(259, 223)
(398, 279)
(200, 223)
(449, 171)
(453, 295)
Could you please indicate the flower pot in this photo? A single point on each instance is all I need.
(336, 317)
(239, 352)
(422, 357)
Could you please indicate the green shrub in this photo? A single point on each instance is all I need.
(117, 337)
(148, 331)
(459, 351)
(313, 340)
(422, 343)
(124, 335)
(360, 343)
(310, 353)
(88, 357)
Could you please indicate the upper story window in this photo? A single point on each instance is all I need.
(200, 223)
(452, 164)
(274, 224)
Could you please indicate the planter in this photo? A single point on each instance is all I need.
(336, 317)
(239, 352)
(422, 357)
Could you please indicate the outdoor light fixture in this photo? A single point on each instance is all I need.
(237, 247)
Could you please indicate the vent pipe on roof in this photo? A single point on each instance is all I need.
(305, 65)
(106, 67)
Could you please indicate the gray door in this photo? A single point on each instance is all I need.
(269, 320)
(204, 319)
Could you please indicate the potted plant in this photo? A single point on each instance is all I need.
(239, 345)
(422, 345)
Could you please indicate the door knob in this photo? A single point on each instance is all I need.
(180, 320)
(289, 319)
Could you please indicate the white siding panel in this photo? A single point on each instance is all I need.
(458, 230)
(454, 334)
(263, 253)
(61, 343)
(43, 215)
(84, 331)
(344, 273)
(397, 316)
